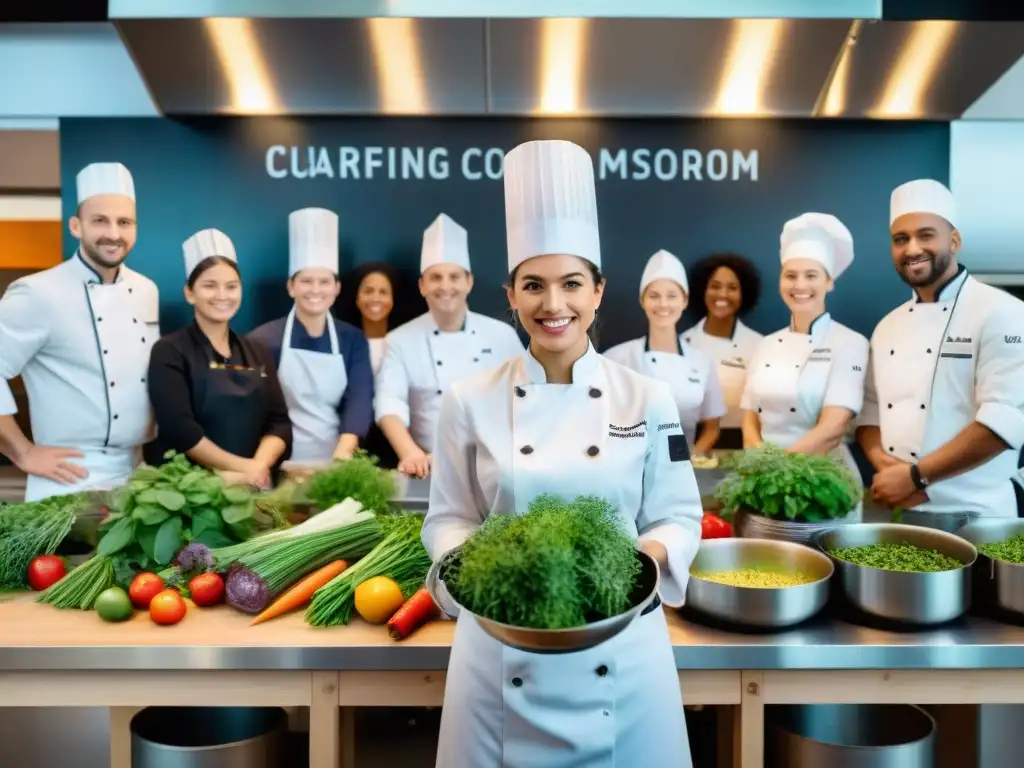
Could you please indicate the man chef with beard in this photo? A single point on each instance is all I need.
(943, 417)
(79, 334)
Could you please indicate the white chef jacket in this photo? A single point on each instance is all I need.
(690, 373)
(936, 367)
(732, 357)
(505, 437)
(82, 348)
(422, 362)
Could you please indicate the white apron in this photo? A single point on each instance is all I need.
(617, 705)
(116, 313)
(787, 389)
(313, 385)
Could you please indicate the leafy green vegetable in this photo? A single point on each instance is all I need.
(80, 588)
(560, 565)
(897, 557)
(799, 487)
(31, 529)
(1010, 551)
(357, 478)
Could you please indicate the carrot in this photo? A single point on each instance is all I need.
(415, 612)
(302, 592)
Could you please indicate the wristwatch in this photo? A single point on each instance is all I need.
(920, 482)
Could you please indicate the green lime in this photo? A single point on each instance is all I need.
(113, 605)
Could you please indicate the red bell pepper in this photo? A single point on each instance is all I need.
(714, 527)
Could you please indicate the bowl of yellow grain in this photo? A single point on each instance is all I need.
(760, 583)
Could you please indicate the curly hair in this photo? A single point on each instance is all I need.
(406, 306)
(745, 271)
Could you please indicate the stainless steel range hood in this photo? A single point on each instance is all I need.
(782, 67)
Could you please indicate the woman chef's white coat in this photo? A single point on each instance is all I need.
(690, 374)
(793, 376)
(732, 358)
(508, 437)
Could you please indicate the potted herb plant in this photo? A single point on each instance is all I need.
(772, 494)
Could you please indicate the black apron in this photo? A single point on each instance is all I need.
(229, 400)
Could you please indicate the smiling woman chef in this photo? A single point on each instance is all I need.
(215, 394)
(727, 287)
(562, 419)
(806, 381)
(323, 364)
(662, 354)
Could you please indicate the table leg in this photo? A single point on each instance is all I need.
(751, 717)
(121, 736)
(348, 737)
(324, 723)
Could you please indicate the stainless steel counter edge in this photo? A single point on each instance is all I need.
(943, 650)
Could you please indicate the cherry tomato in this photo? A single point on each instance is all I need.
(207, 589)
(714, 527)
(45, 571)
(167, 607)
(144, 587)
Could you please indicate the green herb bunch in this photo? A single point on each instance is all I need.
(161, 509)
(357, 478)
(799, 487)
(559, 565)
(31, 529)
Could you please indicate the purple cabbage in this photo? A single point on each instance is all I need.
(195, 557)
(245, 591)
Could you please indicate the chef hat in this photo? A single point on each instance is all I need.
(550, 202)
(104, 179)
(664, 266)
(444, 242)
(312, 240)
(922, 196)
(819, 237)
(203, 245)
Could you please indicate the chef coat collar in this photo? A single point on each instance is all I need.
(584, 370)
(732, 329)
(88, 273)
(234, 343)
(647, 345)
(465, 323)
(948, 290)
(819, 326)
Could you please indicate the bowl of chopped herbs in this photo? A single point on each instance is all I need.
(561, 577)
(903, 573)
(998, 576)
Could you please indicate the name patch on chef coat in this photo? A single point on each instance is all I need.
(678, 450)
(734, 362)
(958, 349)
(634, 430)
(823, 355)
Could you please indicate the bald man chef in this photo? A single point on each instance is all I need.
(430, 353)
(80, 334)
(943, 417)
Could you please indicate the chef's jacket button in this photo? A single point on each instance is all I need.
(797, 365)
(111, 383)
(792, 410)
(687, 339)
(891, 449)
(606, 713)
(780, 341)
(593, 450)
(767, 365)
(105, 351)
(476, 359)
(135, 320)
(99, 319)
(143, 339)
(758, 410)
(595, 392)
(911, 309)
(437, 333)
(142, 380)
(526, 450)
(914, 455)
(735, 346)
(892, 351)
(602, 670)
(520, 392)
(517, 682)
(922, 406)
(439, 362)
(115, 415)
(439, 392)
(472, 333)
(890, 405)
(945, 309)
(654, 359)
(129, 290)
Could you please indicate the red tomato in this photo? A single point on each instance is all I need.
(167, 607)
(714, 527)
(207, 589)
(45, 571)
(144, 587)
